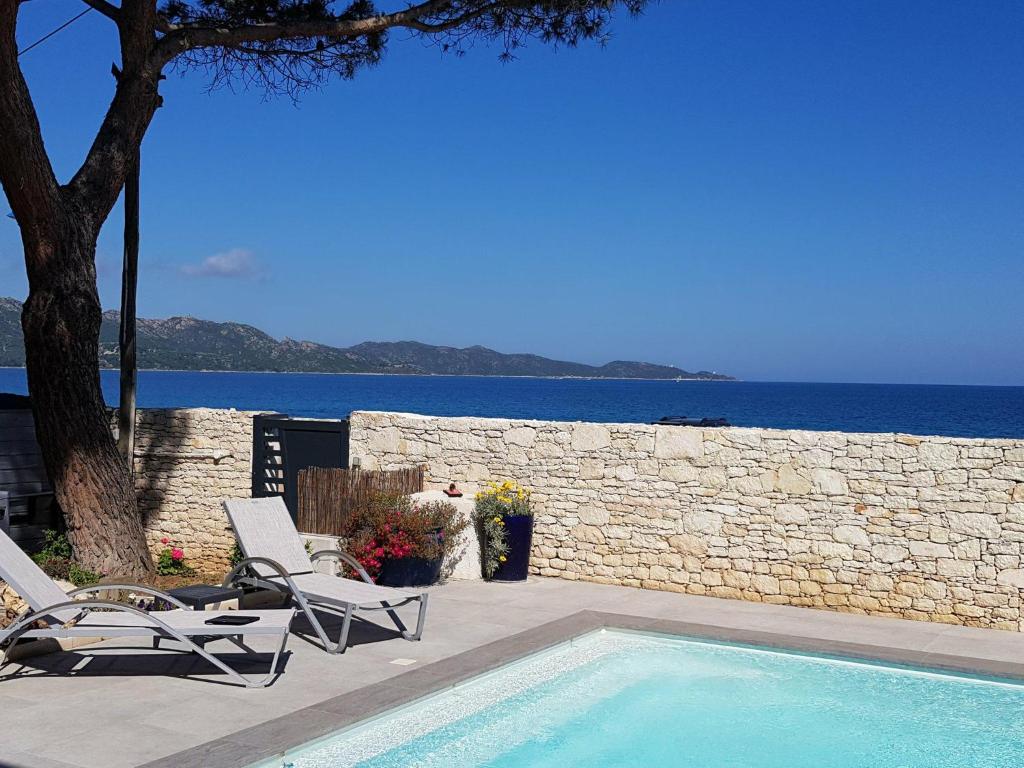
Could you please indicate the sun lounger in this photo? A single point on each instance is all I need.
(54, 614)
(277, 559)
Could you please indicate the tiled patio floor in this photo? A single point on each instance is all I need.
(130, 706)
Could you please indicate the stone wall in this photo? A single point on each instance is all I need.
(924, 528)
(187, 461)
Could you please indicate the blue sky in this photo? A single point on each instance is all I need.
(781, 191)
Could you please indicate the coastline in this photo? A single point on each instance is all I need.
(424, 375)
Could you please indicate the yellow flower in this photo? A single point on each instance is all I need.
(502, 558)
(497, 519)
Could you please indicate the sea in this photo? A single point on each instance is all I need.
(958, 411)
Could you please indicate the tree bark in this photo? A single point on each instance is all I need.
(61, 324)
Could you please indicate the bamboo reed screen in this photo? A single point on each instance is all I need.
(328, 497)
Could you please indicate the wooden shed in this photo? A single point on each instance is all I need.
(27, 507)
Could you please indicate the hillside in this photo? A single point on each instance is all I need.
(186, 343)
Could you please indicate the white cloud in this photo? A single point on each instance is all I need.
(236, 263)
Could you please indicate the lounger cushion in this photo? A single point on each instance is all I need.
(189, 623)
(28, 579)
(264, 528)
(322, 588)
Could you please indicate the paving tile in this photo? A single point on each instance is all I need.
(10, 758)
(114, 745)
(220, 753)
(276, 735)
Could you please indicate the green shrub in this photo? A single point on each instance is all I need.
(236, 555)
(57, 546)
(56, 558)
(81, 577)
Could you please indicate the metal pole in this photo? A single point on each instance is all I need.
(129, 284)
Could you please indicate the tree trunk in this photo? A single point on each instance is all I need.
(61, 325)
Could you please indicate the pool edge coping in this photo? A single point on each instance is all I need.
(264, 741)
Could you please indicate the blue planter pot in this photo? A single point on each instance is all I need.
(409, 572)
(520, 541)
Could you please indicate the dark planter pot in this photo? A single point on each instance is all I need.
(409, 572)
(412, 571)
(520, 542)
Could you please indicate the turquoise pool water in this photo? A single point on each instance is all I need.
(619, 699)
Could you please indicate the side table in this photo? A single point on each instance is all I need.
(201, 597)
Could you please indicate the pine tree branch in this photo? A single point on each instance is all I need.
(98, 182)
(181, 38)
(109, 10)
(25, 170)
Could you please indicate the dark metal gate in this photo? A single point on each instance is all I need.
(282, 446)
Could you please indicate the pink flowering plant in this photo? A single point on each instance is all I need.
(171, 560)
(393, 527)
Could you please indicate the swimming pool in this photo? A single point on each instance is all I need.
(616, 698)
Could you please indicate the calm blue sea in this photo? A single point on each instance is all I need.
(922, 410)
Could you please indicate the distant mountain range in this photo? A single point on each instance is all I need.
(186, 343)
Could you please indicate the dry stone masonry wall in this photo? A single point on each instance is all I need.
(924, 528)
(187, 461)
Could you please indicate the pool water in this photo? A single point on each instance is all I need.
(620, 699)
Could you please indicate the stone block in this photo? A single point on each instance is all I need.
(791, 514)
(828, 482)
(688, 544)
(590, 437)
(523, 436)
(789, 480)
(926, 550)
(593, 515)
(766, 585)
(678, 443)
(1011, 578)
(937, 455)
(889, 553)
(454, 442)
(974, 524)
(679, 473)
(702, 521)
(832, 549)
(851, 534)
(958, 568)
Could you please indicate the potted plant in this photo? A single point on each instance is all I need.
(504, 520)
(401, 544)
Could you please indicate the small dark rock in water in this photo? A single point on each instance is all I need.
(684, 421)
